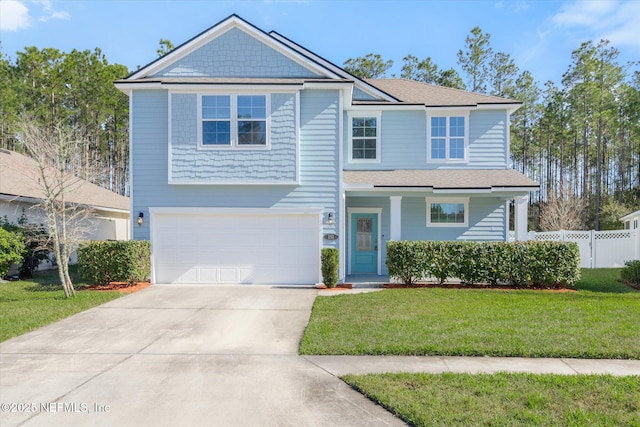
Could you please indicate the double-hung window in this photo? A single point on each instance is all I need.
(216, 120)
(447, 212)
(448, 136)
(233, 121)
(364, 141)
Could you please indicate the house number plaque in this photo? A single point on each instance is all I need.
(331, 237)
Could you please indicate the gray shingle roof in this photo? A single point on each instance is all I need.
(19, 178)
(414, 92)
(441, 179)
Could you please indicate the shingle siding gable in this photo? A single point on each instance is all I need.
(235, 54)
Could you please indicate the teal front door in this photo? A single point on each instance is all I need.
(364, 243)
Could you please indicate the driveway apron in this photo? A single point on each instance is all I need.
(179, 356)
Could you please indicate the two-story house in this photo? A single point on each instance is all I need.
(249, 153)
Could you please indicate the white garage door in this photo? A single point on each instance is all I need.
(261, 248)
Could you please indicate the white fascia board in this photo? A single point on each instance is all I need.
(226, 88)
(370, 188)
(127, 88)
(508, 107)
(234, 211)
(462, 190)
(386, 107)
(332, 85)
(32, 200)
(236, 183)
(348, 187)
(630, 216)
(514, 189)
(218, 30)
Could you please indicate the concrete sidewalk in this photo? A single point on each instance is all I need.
(342, 365)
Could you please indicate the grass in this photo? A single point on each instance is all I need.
(599, 321)
(27, 305)
(505, 399)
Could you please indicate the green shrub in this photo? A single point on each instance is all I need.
(12, 249)
(518, 263)
(631, 272)
(330, 263)
(102, 262)
(36, 242)
(403, 260)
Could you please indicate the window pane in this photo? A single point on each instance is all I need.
(456, 127)
(447, 213)
(216, 133)
(438, 148)
(456, 148)
(438, 126)
(252, 107)
(252, 133)
(216, 107)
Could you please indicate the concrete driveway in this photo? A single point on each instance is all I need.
(179, 356)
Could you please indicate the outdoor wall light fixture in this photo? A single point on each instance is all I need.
(330, 219)
(140, 219)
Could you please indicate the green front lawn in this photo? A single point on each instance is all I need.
(27, 305)
(505, 399)
(599, 321)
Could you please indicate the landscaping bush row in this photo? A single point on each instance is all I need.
(631, 272)
(101, 262)
(517, 263)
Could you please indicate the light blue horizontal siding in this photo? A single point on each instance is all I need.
(486, 221)
(488, 139)
(277, 164)
(235, 54)
(319, 156)
(404, 142)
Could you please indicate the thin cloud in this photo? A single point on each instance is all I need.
(50, 14)
(14, 16)
(605, 19)
(515, 6)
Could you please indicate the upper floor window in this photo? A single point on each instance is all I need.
(364, 141)
(233, 120)
(448, 136)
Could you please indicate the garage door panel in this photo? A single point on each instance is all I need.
(239, 248)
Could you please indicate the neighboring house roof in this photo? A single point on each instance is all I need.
(414, 92)
(440, 179)
(19, 177)
(632, 215)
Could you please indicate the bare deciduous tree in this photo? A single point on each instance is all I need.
(54, 152)
(565, 211)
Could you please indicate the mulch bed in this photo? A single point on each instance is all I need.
(117, 286)
(339, 287)
(479, 286)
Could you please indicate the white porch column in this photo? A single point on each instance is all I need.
(521, 217)
(395, 217)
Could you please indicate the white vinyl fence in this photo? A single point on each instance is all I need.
(598, 249)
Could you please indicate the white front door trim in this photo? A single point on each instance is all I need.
(378, 211)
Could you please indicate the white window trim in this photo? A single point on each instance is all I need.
(463, 200)
(355, 114)
(234, 123)
(448, 114)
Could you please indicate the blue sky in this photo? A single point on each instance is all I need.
(539, 34)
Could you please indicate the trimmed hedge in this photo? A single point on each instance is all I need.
(631, 272)
(330, 262)
(101, 262)
(518, 263)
